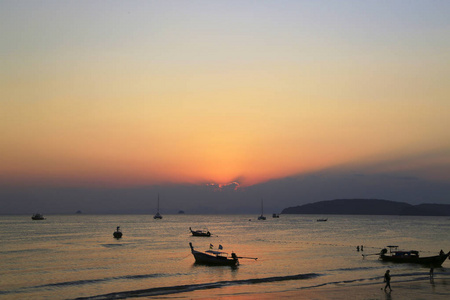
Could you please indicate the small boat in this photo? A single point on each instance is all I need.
(37, 217)
(275, 215)
(203, 232)
(261, 217)
(214, 258)
(117, 234)
(157, 215)
(322, 220)
(412, 256)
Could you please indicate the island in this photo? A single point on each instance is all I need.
(369, 207)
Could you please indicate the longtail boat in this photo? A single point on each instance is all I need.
(412, 256)
(203, 232)
(215, 258)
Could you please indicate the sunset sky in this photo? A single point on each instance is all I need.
(141, 93)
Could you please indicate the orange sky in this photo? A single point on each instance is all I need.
(177, 95)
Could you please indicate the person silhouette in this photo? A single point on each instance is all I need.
(387, 279)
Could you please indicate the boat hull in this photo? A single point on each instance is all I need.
(206, 259)
(37, 217)
(432, 261)
(213, 259)
(200, 233)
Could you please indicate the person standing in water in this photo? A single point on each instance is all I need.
(387, 279)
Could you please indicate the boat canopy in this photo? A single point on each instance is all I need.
(216, 252)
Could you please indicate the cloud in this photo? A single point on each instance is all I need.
(406, 179)
(219, 187)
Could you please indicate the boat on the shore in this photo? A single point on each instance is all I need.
(37, 217)
(412, 256)
(157, 215)
(201, 232)
(117, 234)
(214, 258)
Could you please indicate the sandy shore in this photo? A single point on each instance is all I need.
(438, 289)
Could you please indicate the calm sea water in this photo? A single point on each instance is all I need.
(75, 256)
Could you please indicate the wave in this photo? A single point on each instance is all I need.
(89, 281)
(357, 269)
(194, 287)
(25, 251)
(83, 282)
(111, 245)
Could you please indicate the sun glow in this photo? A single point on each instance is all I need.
(200, 99)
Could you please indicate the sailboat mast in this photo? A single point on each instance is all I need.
(157, 216)
(261, 217)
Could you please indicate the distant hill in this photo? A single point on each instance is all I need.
(369, 207)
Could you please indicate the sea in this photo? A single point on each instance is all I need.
(77, 257)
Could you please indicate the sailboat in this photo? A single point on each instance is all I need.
(158, 215)
(261, 217)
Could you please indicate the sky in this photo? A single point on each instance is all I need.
(213, 102)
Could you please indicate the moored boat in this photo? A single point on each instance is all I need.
(117, 234)
(275, 215)
(157, 215)
(412, 256)
(322, 220)
(214, 258)
(202, 232)
(37, 217)
(261, 217)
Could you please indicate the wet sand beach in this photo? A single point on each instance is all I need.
(417, 290)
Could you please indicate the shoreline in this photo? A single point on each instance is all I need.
(425, 289)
